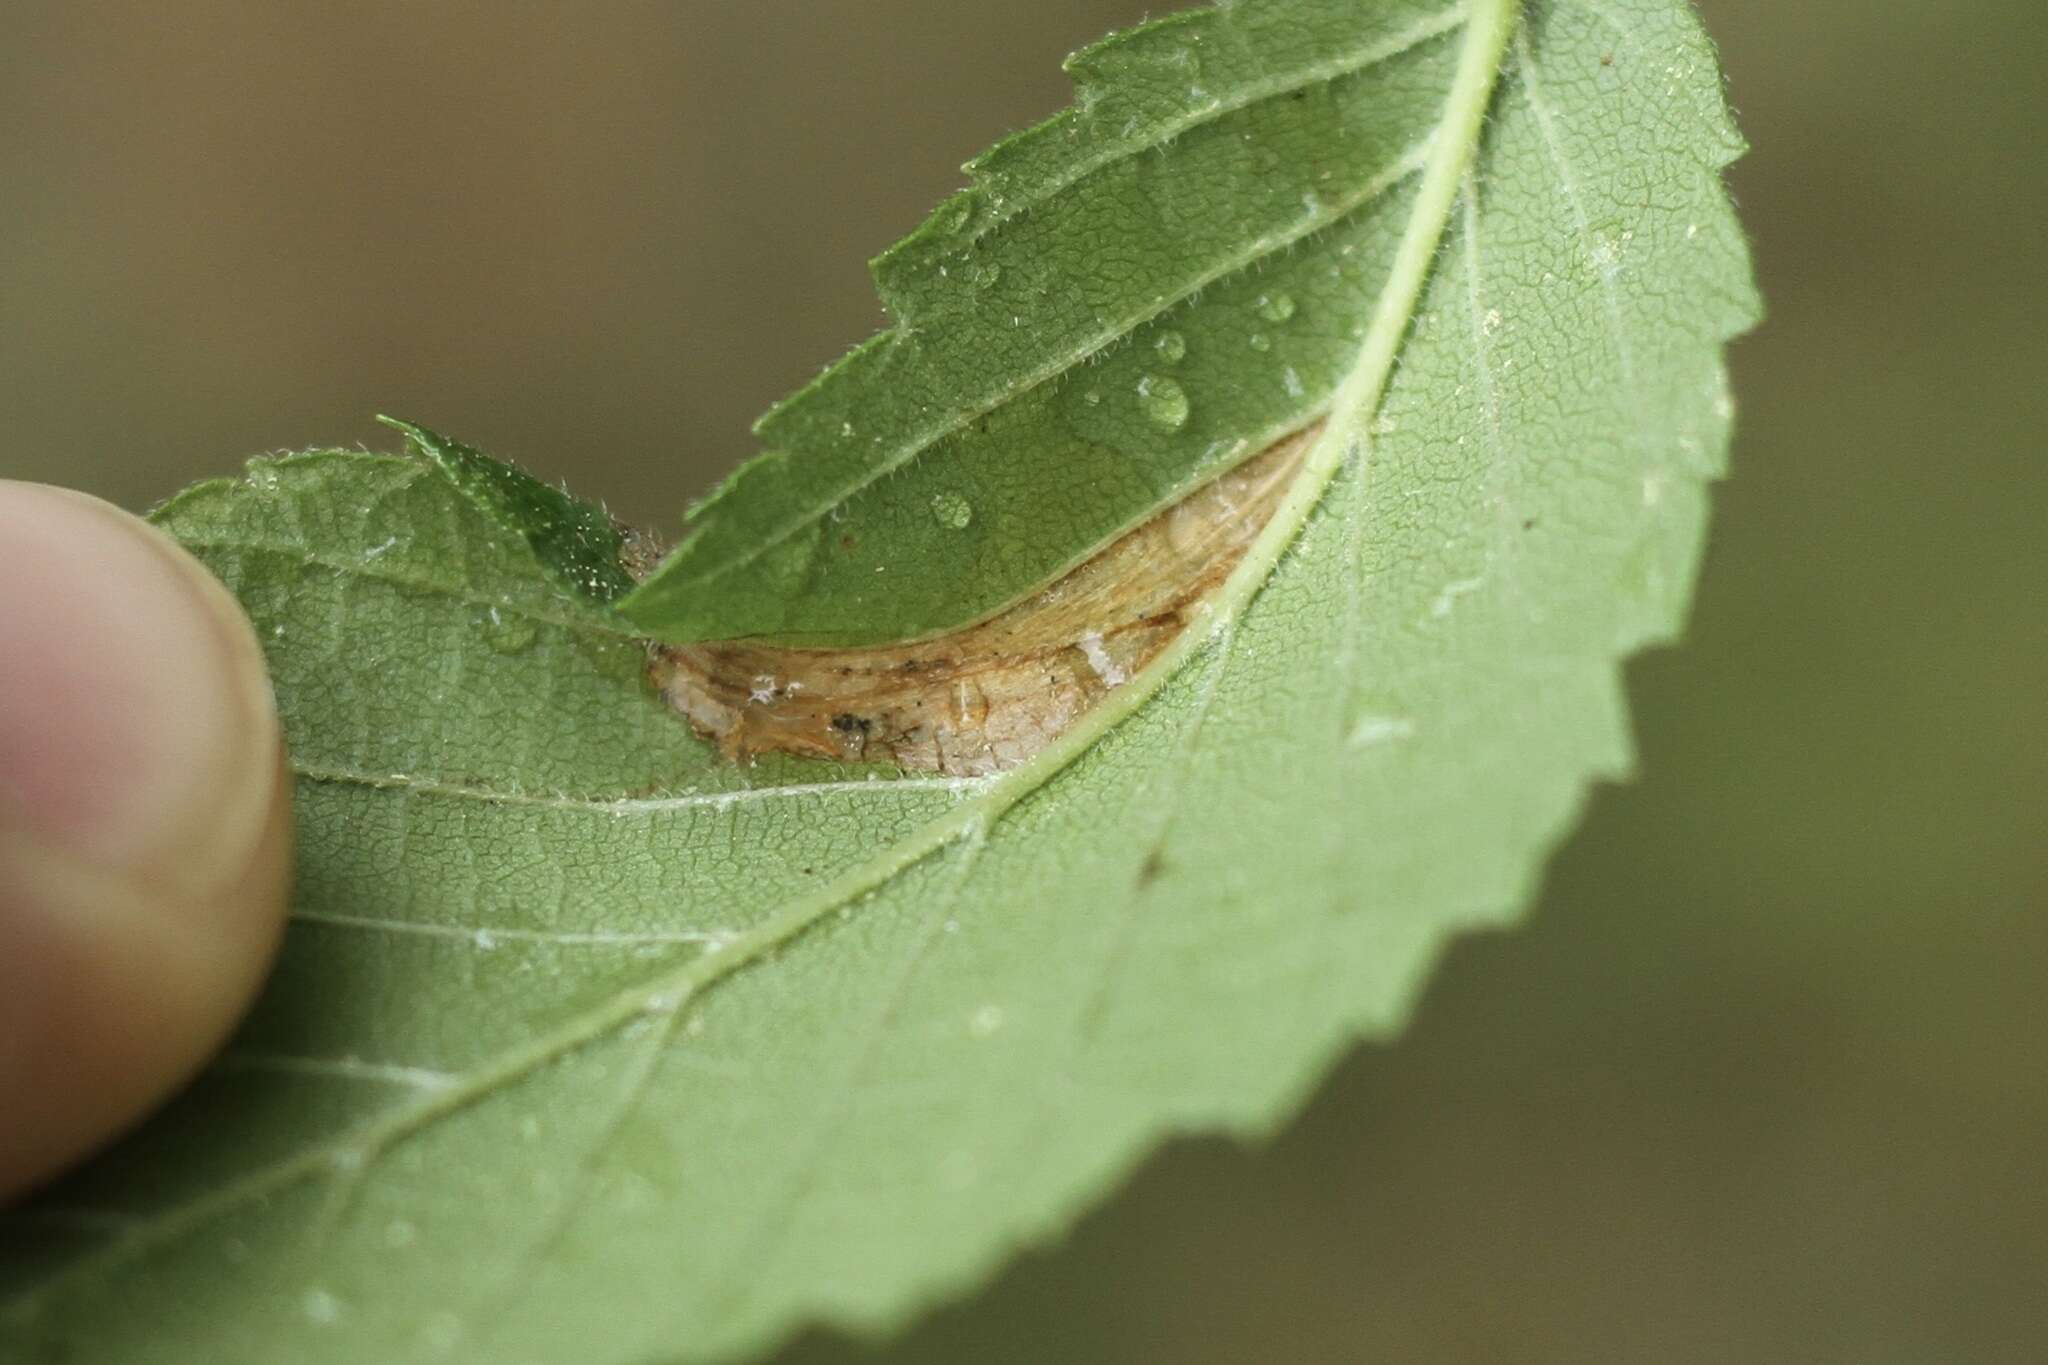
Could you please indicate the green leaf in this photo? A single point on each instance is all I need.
(589, 1045)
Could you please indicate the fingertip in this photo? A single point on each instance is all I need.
(144, 822)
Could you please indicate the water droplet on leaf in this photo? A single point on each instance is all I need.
(506, 633)
(442, 1332)
(1276, 307)
(321, 1307)
(952, 511)
(1260, 342)
(1163, 401)
(1172, 347)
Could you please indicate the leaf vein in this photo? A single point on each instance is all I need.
(343, 1068)
(622, 807)
(485, 935)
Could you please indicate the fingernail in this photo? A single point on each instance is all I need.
(137, 730)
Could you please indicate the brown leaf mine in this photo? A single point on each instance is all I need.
(987, 697)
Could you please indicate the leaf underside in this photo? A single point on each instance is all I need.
(587, 1045)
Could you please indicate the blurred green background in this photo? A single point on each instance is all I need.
(1763, 1079)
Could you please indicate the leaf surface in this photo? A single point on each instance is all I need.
(589, 1045)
